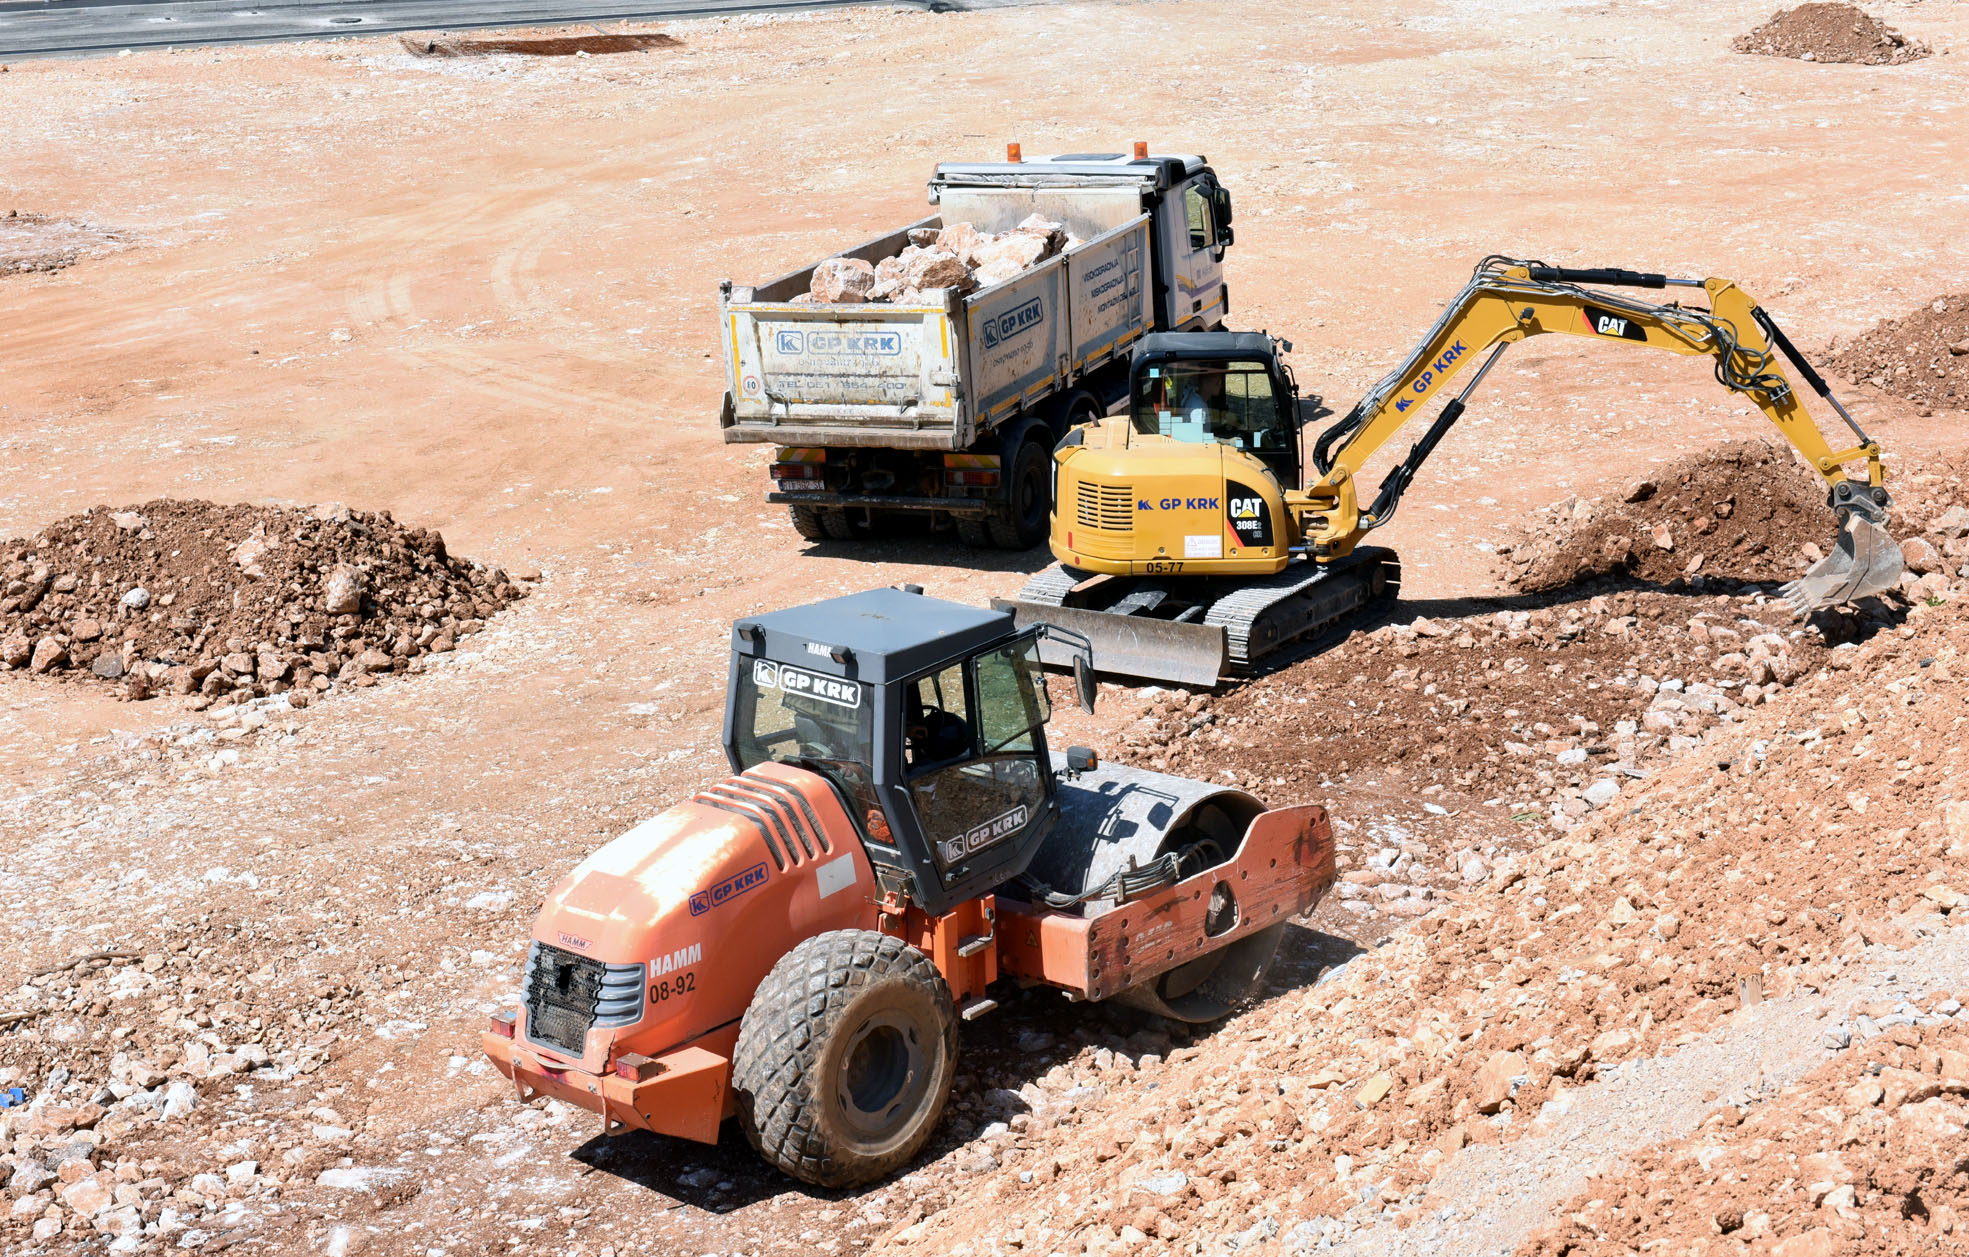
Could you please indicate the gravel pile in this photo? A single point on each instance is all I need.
(189, 597)
(1744, 511)
(1830, 32)
(1921, 357)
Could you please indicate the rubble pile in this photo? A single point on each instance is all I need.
(1821, 823)
(1921, 357)
(1836, 32)
(195, 598)
(1743, 511)
(958, 256)
(1751, 809)
(1866, 1151)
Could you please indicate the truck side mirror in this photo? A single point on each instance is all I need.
(1222, 196)
(1084, 685)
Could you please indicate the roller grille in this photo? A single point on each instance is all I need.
(566, 995)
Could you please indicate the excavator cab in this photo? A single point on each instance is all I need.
(1228, 387)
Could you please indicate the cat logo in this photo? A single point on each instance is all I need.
(1607, 323)
(1247, 508)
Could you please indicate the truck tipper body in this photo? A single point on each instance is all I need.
(947, 408)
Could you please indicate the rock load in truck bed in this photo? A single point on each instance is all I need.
(1830, 32)
(958, 256)
(193, 597)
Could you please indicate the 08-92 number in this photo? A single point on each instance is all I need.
(660, 991)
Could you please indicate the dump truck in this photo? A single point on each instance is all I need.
(947, 408)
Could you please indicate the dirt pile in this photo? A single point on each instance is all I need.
(1744, 511)
(1813, 826)
(36, 242)
(1830, 32)
(1864, 1155)
(958, 256)
(1921, 357)
(190, 597)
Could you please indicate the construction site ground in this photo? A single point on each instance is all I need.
(1642, 882)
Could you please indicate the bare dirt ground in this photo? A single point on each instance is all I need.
(477, 293)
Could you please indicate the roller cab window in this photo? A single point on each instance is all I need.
(970, 753)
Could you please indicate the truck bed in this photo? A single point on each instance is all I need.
(931, 376)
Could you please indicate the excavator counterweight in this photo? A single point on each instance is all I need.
(1195, 536)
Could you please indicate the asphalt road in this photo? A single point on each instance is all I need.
(53, 28)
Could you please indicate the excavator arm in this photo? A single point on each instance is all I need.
(1508, 301)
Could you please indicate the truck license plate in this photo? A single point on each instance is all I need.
(801, 486)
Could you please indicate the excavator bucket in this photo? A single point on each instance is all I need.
(1865, 560)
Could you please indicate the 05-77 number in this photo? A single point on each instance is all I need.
(1162, 567)
(660, 991)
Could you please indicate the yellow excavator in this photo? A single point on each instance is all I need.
(1187, 548)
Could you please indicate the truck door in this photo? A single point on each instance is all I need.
(1197, 244)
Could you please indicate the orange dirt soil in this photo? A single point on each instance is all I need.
(477, 293)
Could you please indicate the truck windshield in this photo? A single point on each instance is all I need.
(1231, 402)
(791, 714)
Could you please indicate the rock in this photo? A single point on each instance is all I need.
(373, 660)
(1663, 538)
(240, 1173)
(1952, 523)
(1374, 1090)
(937, 268)
(90, 1196)
(839, 280)
(28, 1178)
(1602, 792)
(85, 630)
(922, 237)
(108, 666)
(358, 1178)
(1494, 1082)
(1920, 556)
(1611, 1045)
(250, 552)
(129, 521)
(16, 650)
(330, 512)
(961, 239)
(1639, 491)
(1167, 1183)
(179, 1099)
(136, 599)
(1007, 256)
(49, 654)
(528, 572)
(1473, 870)
(1668, 925)
(1817, 1242)
(342, 590)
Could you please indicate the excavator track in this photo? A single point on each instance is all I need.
(1133, 633)
(1263, 617)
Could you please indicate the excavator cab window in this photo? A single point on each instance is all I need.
(1230, 402)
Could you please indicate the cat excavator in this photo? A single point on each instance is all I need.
(1188, 548)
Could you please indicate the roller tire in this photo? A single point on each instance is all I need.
(1027, 516)
(845, 1058)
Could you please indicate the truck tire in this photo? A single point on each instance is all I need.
(973, 530)
(808, 522)
(845, 1058)
(1024, 523)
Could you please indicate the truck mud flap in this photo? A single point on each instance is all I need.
(1129, 645)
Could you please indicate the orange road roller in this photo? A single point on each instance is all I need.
(795, 945)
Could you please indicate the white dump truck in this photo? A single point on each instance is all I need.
(945, 406)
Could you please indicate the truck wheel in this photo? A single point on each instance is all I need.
(972, 530)
(809, 522)
(1023, 525)
(845, 1057)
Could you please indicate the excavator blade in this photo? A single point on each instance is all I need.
(1865, 560)
(1129, 645)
